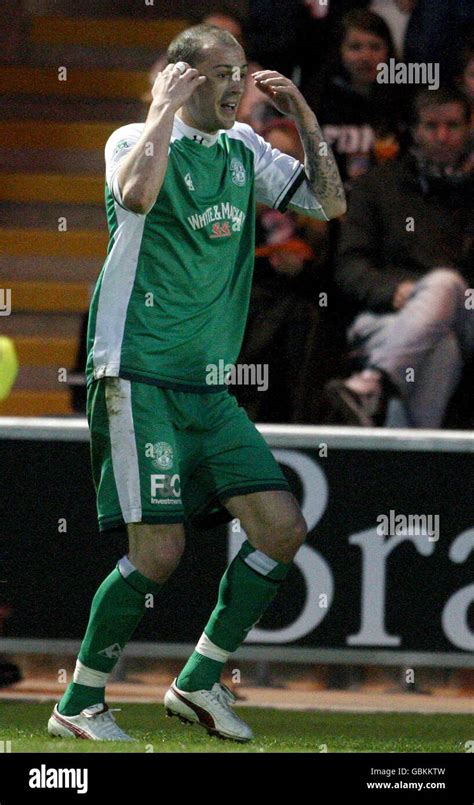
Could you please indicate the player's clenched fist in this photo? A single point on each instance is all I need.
(175, 84)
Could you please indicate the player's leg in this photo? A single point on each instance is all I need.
(128, 490)
(240, 472)
(118, 607)
(275, 530)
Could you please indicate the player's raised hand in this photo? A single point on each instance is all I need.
(284, 95)
(175, 84)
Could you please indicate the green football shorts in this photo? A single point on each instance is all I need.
(163, 456)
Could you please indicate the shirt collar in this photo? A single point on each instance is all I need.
(201, 137)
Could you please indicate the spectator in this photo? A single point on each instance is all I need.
(354, 110)
(405, 260)
(294, 37)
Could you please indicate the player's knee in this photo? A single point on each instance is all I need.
(165, 564)
(297, 531)
(157, 567)
(156, 550)
(285, 537)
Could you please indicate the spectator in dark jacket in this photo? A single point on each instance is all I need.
(405, 259)
(354, 109)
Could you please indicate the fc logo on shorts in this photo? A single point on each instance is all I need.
(165, 489)
(162, 455)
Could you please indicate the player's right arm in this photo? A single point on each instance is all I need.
(141, 173)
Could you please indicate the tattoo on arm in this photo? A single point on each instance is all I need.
(321, 168)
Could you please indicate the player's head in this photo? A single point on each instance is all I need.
(365, 43)
(219, 56)
(441, 121)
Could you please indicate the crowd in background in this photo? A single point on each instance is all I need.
(374, 324)
(367, 320)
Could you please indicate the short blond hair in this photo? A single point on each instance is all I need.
(189, 45)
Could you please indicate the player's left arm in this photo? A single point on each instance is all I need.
(322, 174)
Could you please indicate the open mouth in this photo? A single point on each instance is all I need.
(229, 107)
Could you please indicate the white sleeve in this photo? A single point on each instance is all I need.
(119, 144)
(280, 180)
(304, 201)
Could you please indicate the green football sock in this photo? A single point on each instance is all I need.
(117, 608)
(247, 589)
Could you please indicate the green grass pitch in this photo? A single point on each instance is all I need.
(24, 724)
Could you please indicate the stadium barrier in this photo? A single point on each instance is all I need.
(385, 576)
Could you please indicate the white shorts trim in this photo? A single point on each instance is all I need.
(118, 399)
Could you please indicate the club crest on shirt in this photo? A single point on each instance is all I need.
(189, 182)
(162, 455)
(238, 172)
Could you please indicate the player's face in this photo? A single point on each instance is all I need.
(442, 133)
(361, 53)
(214, 104)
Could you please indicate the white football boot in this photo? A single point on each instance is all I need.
(210, 709)
(95, 723)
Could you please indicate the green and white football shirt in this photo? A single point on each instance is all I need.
(172, 296)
